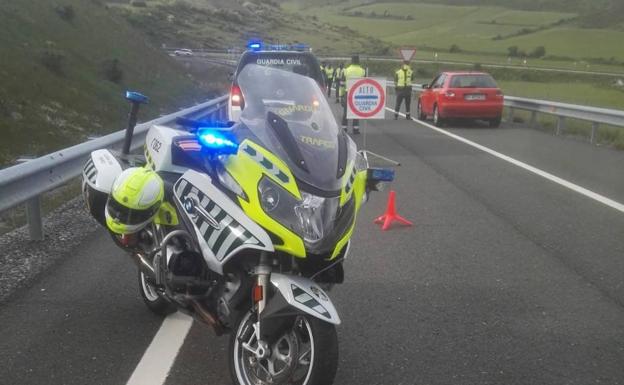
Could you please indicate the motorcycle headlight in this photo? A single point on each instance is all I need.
(309, 212)
(310, 217)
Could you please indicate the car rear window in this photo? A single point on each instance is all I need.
(472, 81)
(293, 62)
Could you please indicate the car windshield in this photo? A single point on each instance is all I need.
(290, 115)
(472, 81)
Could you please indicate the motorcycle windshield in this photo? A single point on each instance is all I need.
(288, 112)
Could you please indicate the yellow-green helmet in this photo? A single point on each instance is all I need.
(134, 200)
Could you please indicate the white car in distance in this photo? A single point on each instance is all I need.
(183, 52)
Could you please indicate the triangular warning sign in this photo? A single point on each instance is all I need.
(407, 53)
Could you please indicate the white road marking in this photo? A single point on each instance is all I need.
(161, 353)
(576, 188)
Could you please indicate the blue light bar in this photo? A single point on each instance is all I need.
(381, 174)
(217, 141)
(254, 45)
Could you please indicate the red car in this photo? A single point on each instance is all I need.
(472, 95)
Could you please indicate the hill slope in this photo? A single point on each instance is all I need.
(226, 23)
(63, 71)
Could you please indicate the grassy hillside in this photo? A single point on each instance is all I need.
(222, 24)
(63, 71)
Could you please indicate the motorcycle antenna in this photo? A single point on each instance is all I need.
(136, 99)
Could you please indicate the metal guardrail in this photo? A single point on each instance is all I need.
(565, 111)
(25, 182)
(595, 115)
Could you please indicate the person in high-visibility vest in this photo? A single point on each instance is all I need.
(329, 76)
(354, 70)
(403, 82)
(338, 76)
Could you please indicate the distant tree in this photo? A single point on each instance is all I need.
(455, 49)
(513, 51)
(538, 52)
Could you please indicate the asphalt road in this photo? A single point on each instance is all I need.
(506, 278)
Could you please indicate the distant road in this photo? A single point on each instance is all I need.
(234, 58)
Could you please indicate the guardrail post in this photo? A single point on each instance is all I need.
(594, 132)
(35, 223)
(560, 125)
(510, 116)
(533, 121)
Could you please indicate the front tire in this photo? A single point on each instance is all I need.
(312, 342)
(154, 301)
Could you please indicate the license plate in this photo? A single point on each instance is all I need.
(475, 97)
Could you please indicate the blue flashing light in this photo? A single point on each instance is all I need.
(254, 45)
(217, 141)
(381, 174)
(136, 97)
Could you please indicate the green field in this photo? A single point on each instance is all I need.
(484, 30)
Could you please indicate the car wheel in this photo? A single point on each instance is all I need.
(419, 112)
(495, 123)
(437, 119)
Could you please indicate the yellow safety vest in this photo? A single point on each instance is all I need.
(403, 76)
(329, 72)
(352, 71)
(339, 73)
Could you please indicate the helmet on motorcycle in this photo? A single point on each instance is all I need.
(134, 201)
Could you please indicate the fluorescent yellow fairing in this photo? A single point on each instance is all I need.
(248, 167)
(358, 190)
(347, 187)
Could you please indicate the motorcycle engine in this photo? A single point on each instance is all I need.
(187, 272)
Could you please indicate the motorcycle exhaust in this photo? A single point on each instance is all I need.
(207, 317)
(144, 265)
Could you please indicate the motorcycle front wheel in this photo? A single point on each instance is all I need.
(157, 304)
(302, 350)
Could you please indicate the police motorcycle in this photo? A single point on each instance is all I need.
(244, 226)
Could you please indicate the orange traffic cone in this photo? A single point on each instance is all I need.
(391, 214)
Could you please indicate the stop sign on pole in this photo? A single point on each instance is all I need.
(366, 98)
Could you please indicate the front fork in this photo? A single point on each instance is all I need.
(263, 275)
(259, 296)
